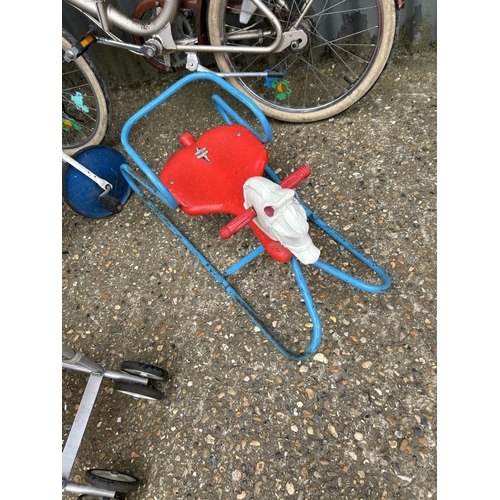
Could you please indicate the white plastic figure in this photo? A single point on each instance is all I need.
(281, 217)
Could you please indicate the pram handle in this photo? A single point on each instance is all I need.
(241, 220)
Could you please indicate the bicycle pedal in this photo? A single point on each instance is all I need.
(110, 203)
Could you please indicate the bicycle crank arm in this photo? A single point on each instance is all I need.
(105, 185)
(144, 50)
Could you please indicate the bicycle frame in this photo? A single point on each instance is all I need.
(107, 16)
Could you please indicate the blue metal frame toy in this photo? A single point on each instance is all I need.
(145, 183)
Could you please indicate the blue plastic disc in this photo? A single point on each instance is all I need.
(81, 193)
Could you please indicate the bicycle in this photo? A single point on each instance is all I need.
(298, 60)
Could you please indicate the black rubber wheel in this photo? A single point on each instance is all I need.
(138, 390)
(144, 370)
(92, 497)
(112, 480)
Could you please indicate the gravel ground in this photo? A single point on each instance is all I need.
(238, 420)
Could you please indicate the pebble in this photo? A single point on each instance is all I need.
(332, 430)
(320, 357)
(310, 393)
(259, 467)
(404, 446)
(257, 488)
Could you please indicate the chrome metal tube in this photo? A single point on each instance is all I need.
(87, 489)
(128, 23)
(112, 374)
(264, 50)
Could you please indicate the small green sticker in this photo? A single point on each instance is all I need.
(70, 124)
(282, 88)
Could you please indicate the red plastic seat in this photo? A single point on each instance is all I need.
(208, 174)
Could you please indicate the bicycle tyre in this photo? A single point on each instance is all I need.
(86, 106)
(348, 49)
(112, 480)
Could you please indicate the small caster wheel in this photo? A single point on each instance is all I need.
(112, 480)
(138, 391)
(144, 370)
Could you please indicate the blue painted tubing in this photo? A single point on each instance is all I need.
(135, 184)
(311, 308)
(154, 183)
(348, 278)
(132, 178)
(244, 261)
(226, 112)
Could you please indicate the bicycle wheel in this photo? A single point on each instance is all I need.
(86, 108)
(349, 43)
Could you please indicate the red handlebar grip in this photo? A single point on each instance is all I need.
(296, 177)
(239, 222)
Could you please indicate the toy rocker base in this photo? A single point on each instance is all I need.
(222, 172)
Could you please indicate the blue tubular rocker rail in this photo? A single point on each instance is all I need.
(149, 183)
(348, 278)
